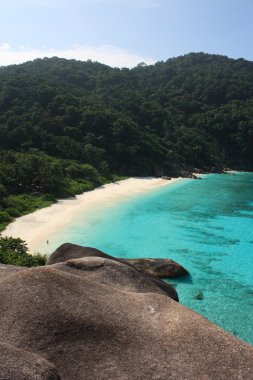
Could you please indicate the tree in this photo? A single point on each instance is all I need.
(14, 251)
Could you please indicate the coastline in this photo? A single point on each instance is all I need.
(36, 227)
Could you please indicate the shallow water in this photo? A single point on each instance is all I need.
(206, 225)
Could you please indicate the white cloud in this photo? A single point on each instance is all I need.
(107, 54)
(5, 47)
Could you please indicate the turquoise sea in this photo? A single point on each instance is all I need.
(205, 225)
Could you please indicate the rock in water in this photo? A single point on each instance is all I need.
(94, 318)
(72, 251)
(161, 268)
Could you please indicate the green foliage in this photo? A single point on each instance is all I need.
(4, 217)
(14, 252)
(2, 191)
(77, 187)
(34, 180)
(22, 204)
(25, 203)
(192, 110)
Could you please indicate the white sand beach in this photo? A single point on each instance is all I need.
(39, 225)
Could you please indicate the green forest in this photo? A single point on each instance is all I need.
(68, 126)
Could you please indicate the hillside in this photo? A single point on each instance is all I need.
(67, 126)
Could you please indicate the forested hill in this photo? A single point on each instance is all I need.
(196, 110)
(63, 122)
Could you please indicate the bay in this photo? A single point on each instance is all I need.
(205, 225)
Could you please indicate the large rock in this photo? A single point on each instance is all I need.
(73, 251)
(69, 251)
(18, 364)
(6, 270)
(94, 318)
(161, 268)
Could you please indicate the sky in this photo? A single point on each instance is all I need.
(123, 33)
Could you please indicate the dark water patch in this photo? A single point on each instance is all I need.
(220, 240)
(249, 291)
(213, 272)
(217, 228)
(246, 215)
(180, 280)
(183, 250)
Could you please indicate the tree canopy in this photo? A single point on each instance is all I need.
(15, 252)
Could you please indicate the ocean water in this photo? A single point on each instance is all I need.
(205, 225)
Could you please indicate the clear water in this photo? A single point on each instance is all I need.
(206, 225)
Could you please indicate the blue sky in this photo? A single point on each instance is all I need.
(124, 32)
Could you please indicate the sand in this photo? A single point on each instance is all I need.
(36, 227)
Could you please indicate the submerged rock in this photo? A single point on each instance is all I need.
(95, 318)
(199, 295)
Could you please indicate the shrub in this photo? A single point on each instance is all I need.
(4, 217)
(14, 251)
(13, 212)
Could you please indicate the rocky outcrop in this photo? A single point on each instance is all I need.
(94, 318)
(71, 251)
(18, 364)
(161, 268)
(6, 270)
(217, 170)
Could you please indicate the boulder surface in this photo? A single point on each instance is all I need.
(94, 318)
(69, 251)
(17, 364)
(161, 268)
(72, 251)
(6, 270)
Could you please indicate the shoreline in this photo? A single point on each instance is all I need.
(36, 227)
